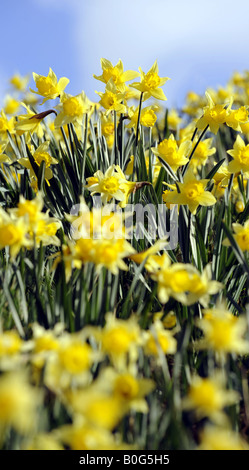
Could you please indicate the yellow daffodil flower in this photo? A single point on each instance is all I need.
(241, 236)
(112, 99)
(41, 154)
(117, 74)
(221, 438)
(240, 154)
(18, 82)
(214, 115)
(192, 193)
(208, 397)
(72, 109)
(150, 83)
(223, 331)
(169, 151)
(147, 116)
(201, 153)
(48, 86)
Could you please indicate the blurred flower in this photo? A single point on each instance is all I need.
(82, 435)
(223, 331)
(221, 438)
(13, 234)
(19, 402)
(119, 339)
(157, 339)
(18, 82)
(201, 153)
(43, 441)
(11, 105)
(208, 397)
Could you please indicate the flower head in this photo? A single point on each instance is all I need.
(48, 86)
(192, 192)
(214, 116)
(150, 83)
(117, 74)
(72, 109)
(208, 397)
(240, 154)
(169, 151)
(223, 331)
(112, 98)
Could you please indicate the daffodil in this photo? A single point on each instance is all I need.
(126, 386)
(48, 86)
(201, 153)
(194, 103)
(173, 119)
(11, 105)
(117, 74)
(10, 343)
(41, 154)
(119, 340)
(19, 82)
(223, 331)
(70, 362)
(147, 116)
(6, 125)
(108, 184)
(240, 154)
(183, 282)
(13, 234)
(101, 411)
(108, 253)
(169, 151)
(81, 435)
(107, 128)
(72, 109)
(221, 438)
(237, 117)
(112, 99)
(159, 340)
(148, 255)
(208, 397)
(241, 236)
(192, 193)
(202, 287)
(19, 402)
(221, 179)
(214, 116)
(151, 83)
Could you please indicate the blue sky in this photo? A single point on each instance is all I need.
(197, 44)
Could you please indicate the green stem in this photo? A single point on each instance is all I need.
(137, 132)
(82, 168)
(194, 149)
(117, 159)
